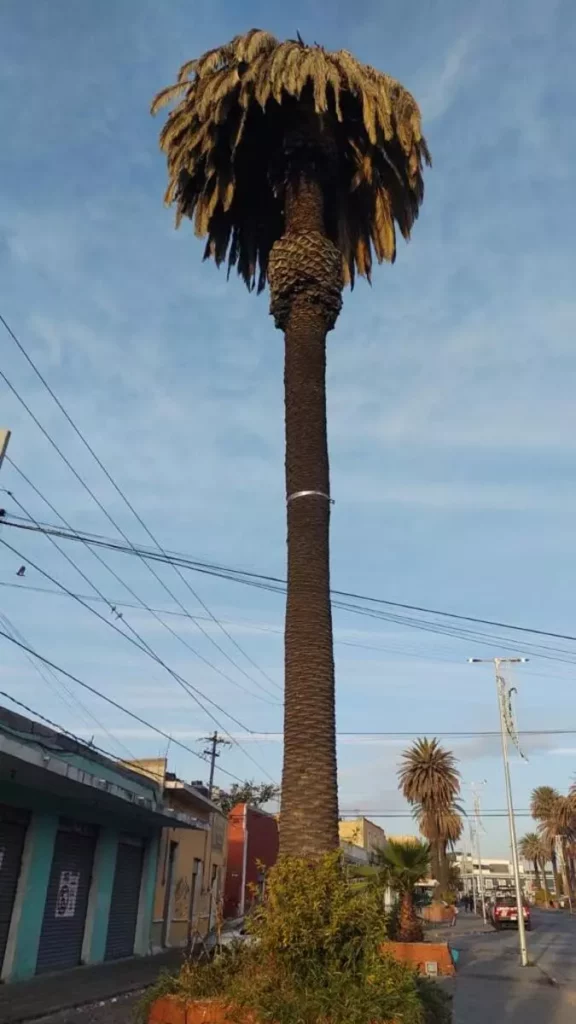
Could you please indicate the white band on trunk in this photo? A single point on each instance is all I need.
(306, 494)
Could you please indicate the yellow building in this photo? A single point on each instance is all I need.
(191, 864)
(363, 833)
(405, 839)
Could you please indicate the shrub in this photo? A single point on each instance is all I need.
(316, 958)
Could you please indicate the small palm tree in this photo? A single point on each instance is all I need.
(542, 805)
(403, 865)
(532, 848)
(443, 829)
(561, 824)
(430, 781)
(297, 165)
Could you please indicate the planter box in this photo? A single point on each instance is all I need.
(418, 954)
(437, 913)
(170, 1010)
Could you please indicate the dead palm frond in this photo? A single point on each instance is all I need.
(429, 777)
(229, 143)
(444, 824)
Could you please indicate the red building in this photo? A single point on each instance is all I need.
(252, 841)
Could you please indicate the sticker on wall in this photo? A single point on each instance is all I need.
(67, 894)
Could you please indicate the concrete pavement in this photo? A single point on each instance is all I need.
(490, 984)
(84, 986)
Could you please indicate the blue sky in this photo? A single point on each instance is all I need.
(451, 383)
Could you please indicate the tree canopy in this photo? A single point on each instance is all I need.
(250, 113)
(252, 793)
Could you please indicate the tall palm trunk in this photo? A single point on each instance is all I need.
(409, 927)
(556, 873)
(536, 873)
(565, 869)
(306, 283)
(545, 882)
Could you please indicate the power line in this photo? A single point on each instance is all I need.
(405, 815)
(114, 703)
(442, 734)
(277, 631)
(71, 735)
(278, 584)
(113, 607)
(143, 646)
(545, 652)
(129, 505)
(57, 685)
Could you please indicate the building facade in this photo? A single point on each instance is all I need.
(191, 865)
(252, 849)
(362, 833)
(79, 842)
(496, 873)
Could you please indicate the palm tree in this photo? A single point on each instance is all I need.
(561, 823)
(430, 781)
(296, 164)
(532, 848)
(403, 865)
(443, 829)
(542, 805)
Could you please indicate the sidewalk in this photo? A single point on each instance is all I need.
(46, 994)
(491, 986)
(466, 924)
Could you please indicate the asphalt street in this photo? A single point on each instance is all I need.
(492, 986)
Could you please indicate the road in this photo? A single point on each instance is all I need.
(491, 985)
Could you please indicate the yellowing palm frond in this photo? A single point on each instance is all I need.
(428, 776)
(239, 108)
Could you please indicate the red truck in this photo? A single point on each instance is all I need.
(504, 913)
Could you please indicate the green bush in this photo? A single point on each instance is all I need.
(316, 957)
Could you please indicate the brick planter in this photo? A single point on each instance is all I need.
(418, 954)
(170, 1010)
(437, 913)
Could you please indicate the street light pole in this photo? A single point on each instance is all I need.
(502, 695)
(481, 889)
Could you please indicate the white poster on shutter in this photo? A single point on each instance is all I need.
(67, 894)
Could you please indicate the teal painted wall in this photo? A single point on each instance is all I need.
(34, 884)
(22, 951)
(143, 938)
(94, 944)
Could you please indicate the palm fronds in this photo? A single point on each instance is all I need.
(428, 776)
(229, 140)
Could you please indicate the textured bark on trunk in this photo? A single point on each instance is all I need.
(537, 874)
(409, 927)
(545, 883)
(305, 284)
(557, 878)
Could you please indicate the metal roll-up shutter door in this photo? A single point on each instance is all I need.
(67, 898)
(13, 825)
(125, 899)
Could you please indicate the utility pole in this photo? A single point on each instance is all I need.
(477, 828)
(215, 741)
(506, 730)
(4, 439)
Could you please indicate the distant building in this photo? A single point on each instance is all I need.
(497, 872)
(362, 833)
(79, 841)
(191, 866)
(252, 849)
